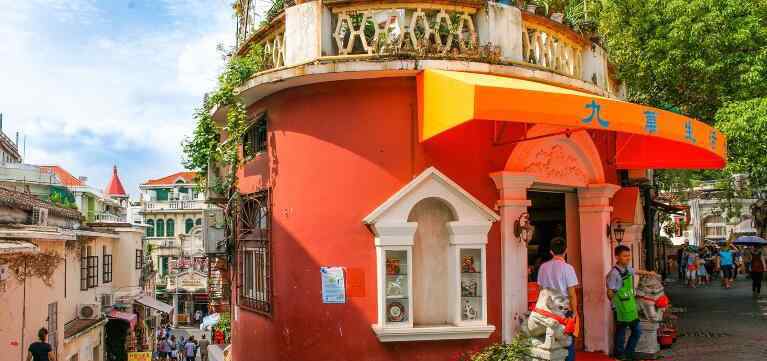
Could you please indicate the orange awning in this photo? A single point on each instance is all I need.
(647, 137)
(625, 204)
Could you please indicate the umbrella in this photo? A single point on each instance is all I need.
(750, 241)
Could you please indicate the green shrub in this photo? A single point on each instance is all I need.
(517, 350)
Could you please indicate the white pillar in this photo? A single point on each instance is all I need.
(596, 259)
(175, 310)
(512, 203)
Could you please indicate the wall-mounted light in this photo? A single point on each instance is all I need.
(615, 231)
(523, 230)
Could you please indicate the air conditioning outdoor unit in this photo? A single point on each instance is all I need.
(89, 311)
(106, 300)
(40, 216)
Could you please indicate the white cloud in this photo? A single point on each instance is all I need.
(84, 93)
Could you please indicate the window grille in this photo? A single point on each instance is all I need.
(107, 269)
(83, 270)
(139, 259)
(254, 139)
(254, 256)
(53, 326)
(93, 267)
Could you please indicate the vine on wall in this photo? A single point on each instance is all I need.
(41, 265)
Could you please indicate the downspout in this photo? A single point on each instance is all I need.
(24, 310)
(647, 232)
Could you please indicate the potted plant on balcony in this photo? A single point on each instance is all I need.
(557, 8)
(531, 6)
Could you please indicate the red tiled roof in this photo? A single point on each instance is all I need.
(66, 178)
(188, 177)
(115, 187)
(78, 326)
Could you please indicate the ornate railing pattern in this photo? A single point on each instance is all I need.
(381, 29)
(274, 49)
(544, 47)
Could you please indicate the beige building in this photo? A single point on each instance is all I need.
(173, 210)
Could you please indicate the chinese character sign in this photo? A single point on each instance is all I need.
(712, 139)
(595, 108)
(139, 356)
(651, 122)
(688, 135)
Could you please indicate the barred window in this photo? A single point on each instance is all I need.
(254, 139)
(53, 325)
(107, 276)
(83, 269)
(139, 259)
(253, 240)
(93, 269)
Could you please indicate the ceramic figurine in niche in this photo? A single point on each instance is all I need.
(396, 312)
(468, 265)
(392, 266)
(394, 287)
(469, 312)
(469, 288)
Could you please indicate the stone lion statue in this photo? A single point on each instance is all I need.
(546, 325)
(650, 296)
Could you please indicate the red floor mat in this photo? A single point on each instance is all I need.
(592, 356)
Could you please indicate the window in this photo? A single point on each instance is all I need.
(150, 228)
(83, 269)
(254, 139)
(106, 267)
(139, 259)
(198, 222)
(160, 228)
(188, 225)
(253, 240)
(170, 228)
(53, 325)
(93, 269)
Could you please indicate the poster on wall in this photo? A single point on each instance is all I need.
(333, 285)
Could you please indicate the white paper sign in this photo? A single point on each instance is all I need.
(333, 287)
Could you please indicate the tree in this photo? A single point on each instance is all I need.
(745, 124)
(689, 56)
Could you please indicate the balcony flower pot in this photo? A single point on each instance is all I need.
(531, 8)
(557, 16)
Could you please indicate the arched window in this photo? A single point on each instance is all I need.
(150, 229)
(160, 229)
(715, 227)
(170, 228)
(188, 226)
(198, 222)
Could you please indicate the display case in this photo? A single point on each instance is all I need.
(397, 288)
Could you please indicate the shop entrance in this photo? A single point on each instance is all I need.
(548, 216)
(554, 214)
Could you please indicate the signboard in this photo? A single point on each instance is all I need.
(333, 285)
(191, 281)
(139, 356)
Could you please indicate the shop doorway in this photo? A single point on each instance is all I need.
(548, 216)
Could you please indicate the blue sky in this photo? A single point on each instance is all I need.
(96, 83)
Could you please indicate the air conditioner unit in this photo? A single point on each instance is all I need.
(40, 216)
(89, 311)
(213, 231)
(106, 300)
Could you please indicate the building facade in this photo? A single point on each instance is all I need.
(393, 192)
(172, 210)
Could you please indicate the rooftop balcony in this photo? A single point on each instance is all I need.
(175, 205)
(315, 41)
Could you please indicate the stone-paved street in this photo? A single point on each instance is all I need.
(719, 324)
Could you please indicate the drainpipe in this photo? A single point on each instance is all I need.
(24, 310)
(647, 232)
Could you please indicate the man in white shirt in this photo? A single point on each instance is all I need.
(559, 275)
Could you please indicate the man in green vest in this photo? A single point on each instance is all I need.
(620, 290)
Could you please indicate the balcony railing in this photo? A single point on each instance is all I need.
(477, 31)
(174, 205)
(106, 218)
(164, 242)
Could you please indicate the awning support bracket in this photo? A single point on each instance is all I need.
(567, 132)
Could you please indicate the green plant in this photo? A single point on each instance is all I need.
(517, 350)
(225, 324)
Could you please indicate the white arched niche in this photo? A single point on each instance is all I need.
(430, 240)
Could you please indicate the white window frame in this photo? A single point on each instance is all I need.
(393, 232)
(251, 272)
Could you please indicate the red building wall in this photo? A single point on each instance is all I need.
(336, 151)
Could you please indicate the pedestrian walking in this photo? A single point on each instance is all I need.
(173, 348)
(703, 277)
(164, 348)
(203, 347)
(190, 349)
(726, 262)
(681, 261)
(559, 275)
(692, 268)
(758, 265)
(620, 291)
(181, 350)
(41, 350)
